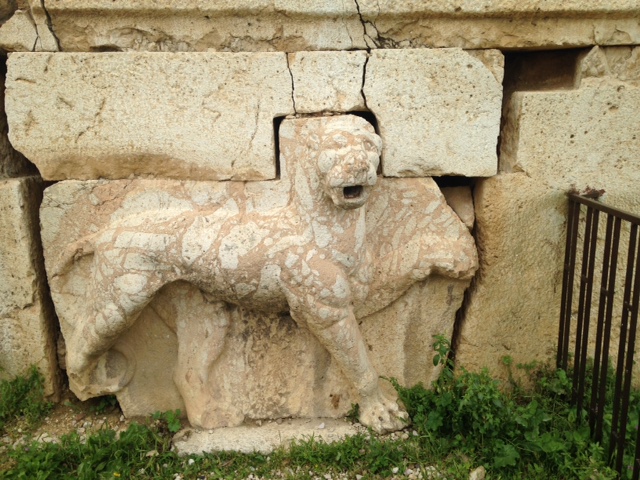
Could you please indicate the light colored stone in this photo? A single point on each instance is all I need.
(12, 163)
(438, 111)
(552, 142)
(327, 81)
(104, 25)
(47, 40)
(478, 474)
(514, 305)
(19, 33)
(263, 439)
(199, 26)
(201, 116)
(499, 23)
(588, 136)
(300, 244)
(26, 316)
(621, 63)
(460, 199)
(189, 115)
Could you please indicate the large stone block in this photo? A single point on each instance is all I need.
(239, 300)
(206, 116)
(504, 24)
(12, 163)
(514, 305)
(210, 116)
(328, 81)
(438, 111)
(240, 25)
(27, 322)
(552, 142)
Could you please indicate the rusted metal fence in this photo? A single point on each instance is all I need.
(609, 305)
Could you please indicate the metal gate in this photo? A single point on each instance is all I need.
(591, 264)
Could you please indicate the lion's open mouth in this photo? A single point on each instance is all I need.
(354, 191)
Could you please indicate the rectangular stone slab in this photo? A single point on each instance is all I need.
(290, 25)
(27, 320)
(190, 116)
(438, 111)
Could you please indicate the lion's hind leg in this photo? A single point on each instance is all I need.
(201, 338)
(115, 297)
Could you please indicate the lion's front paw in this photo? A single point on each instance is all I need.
(382, 415)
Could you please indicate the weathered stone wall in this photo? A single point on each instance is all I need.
(521, 101)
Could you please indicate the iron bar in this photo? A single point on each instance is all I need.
(617, 435)
(567, 284)
(594, 407)
(606, 340)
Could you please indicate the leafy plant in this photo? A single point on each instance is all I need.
(23, 397)
(169, 420)
(105, 404)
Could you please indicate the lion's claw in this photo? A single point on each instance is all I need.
(383, 415)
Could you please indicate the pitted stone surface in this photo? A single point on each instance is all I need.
(327, 81)
(19, 33)
(26, 317)
(324, 242)
(204, 116)
(438, 112)
(287, 26)
(189, 116)
(552, 142)
(263, 439)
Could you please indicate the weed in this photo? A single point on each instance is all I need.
(169, 420)
(23, 397)
(463, 421)
(104, 404)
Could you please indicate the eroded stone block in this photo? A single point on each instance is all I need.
(27, 334)
(438, 112)
(19, 33)
(289, 26)
(327, 81)
(253, 289)
(552, 142)
(204, 116)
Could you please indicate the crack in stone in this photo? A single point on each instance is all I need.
(365, 35)
(293, 86)
(364, 79)
(50, 25)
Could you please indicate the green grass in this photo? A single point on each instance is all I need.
(23, 397)
(465, 420)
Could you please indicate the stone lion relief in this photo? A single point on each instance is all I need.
(328, 243)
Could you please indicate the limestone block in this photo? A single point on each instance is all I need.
(104, 25)
(12, 163)
(438, 112)
(214, 293)
(327, 81)
(200, 26)
(47, 40)
(499, 23)
(264, 438)
(515, 302)
(589, 136)
(19, 33)
(205, 116)
(552, 142)
(26, 318)
(460, 199)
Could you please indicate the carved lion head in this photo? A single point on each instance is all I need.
(348, 155)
